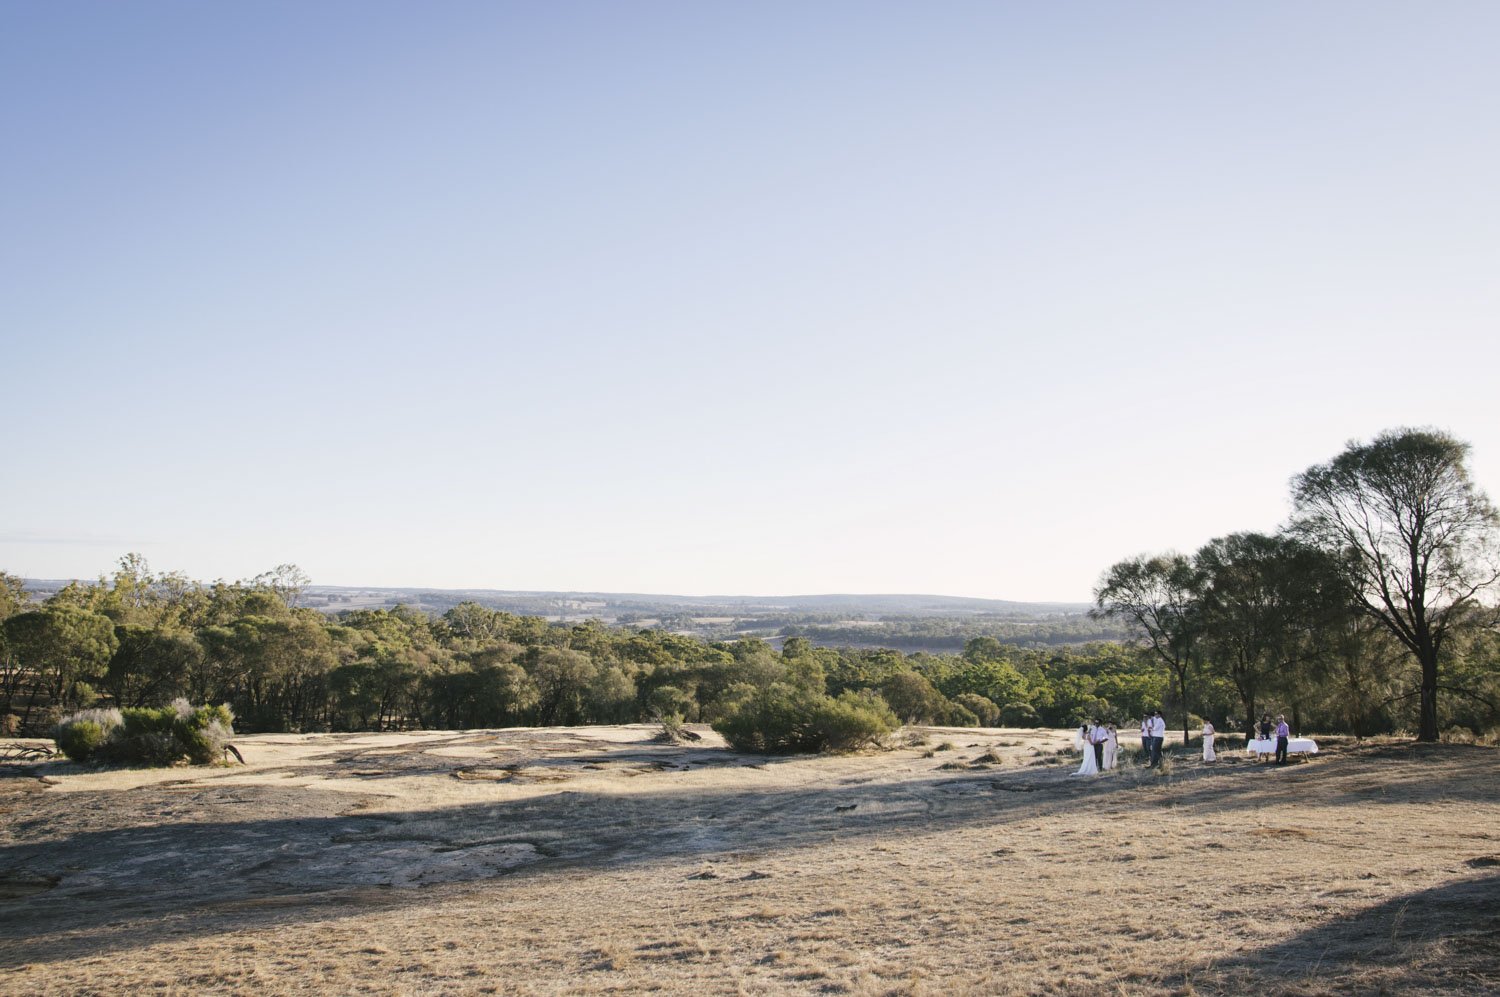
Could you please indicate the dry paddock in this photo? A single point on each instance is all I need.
(596, 861)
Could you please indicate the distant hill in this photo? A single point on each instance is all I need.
(932, 623)
(337, 597)
(607, 605)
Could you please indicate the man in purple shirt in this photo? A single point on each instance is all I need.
(1283, 732)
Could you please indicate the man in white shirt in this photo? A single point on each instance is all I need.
(1097, 736)
(1158, 734)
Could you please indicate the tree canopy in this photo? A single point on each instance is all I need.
(1419, 539)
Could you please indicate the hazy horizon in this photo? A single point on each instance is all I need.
(856, 298)
(316, 586)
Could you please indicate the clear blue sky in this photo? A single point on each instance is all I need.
(970, 298)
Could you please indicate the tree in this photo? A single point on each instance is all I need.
(151, 666)
(1268, 602)
(13, 600)
(471, 620)
(62, 646)
(994, 679)
(983, 648)
(139, 596)
(1158, 599)
(1419, 539)
(269, 666)
(13, 597)
(286, 580)
(914, 699)
(1361, 674)
(563, 678)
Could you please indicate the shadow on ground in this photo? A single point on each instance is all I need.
(182, 863)
(1442, 940)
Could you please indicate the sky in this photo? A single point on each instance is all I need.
(726, 298)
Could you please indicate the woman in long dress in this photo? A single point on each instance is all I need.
(1111, 747)
(1208, 742)
(1085, 741)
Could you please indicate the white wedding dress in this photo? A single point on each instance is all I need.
(1089, 766)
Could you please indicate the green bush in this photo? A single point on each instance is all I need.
(148, 735)
(203, 732)
(80, 740)
(852, 721)
(727, 703)
(913, 698)
(81, 735)
(783, 719)
(960, 716)
(985, 711)
(1019, 715)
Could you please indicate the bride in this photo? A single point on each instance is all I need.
(1085, 741)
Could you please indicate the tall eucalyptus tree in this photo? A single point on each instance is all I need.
(1419, 537)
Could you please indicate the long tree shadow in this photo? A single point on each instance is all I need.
(1440, 940)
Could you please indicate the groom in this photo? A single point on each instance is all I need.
(1158, 734)
(1097, 736)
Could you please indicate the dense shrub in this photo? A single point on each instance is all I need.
(1019, 715)
(783, 719)
(147, 736)
(958, 716)
(985, 712)
(81, 735)
(728, 702)
(853, 720)
(913, 698)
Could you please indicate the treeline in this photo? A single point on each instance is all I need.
(1371, 610)
(141, 639)
(953, 634)
(1369, 613)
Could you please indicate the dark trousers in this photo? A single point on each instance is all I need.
(1280, 750)
(1156, 751)
(1099, 755)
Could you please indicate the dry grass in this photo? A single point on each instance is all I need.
(603, 863)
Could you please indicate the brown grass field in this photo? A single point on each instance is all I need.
(596, 861)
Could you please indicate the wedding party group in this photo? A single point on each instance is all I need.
(1100, 743)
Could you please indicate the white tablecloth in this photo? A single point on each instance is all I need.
(1294, 746)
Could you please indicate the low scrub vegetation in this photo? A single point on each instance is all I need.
(163, 735)
(783, 719)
